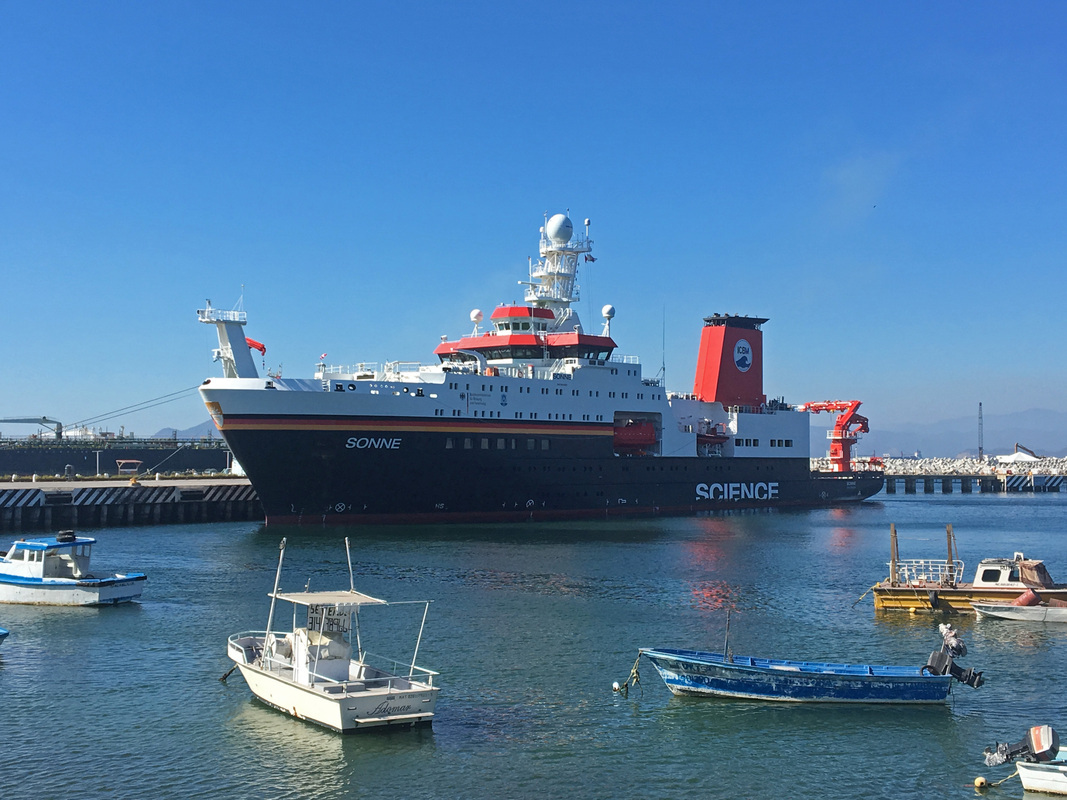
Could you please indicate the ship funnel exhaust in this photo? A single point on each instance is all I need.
(730, 364)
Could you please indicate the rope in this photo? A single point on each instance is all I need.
(993, 785)
(633, 680)
(865, 594)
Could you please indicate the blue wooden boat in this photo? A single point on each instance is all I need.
(700, 673)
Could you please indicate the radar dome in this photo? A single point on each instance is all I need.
(608, 312)
(559, 229)
(476, 315)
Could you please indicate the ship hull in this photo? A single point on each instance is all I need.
(354, 473)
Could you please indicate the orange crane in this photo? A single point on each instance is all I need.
(846, 430)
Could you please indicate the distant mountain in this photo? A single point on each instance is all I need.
(1041, 430)
(205, 430)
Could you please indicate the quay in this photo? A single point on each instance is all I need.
(54, 505)
(969, 483)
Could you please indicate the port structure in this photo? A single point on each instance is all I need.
(846, 431)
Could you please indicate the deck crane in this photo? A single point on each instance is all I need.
(846, 432)
(52, 424)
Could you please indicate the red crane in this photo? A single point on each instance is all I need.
(846, 430)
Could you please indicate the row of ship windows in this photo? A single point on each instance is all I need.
(755, 442)
(544, 390)
(440, 412)
(501, 443)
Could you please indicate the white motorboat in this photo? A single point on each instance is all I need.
(1048, 776)
(1036, 613)
(319, 670)
(1041, 762)
(54, 571)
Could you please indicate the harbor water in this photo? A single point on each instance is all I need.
(529, 627)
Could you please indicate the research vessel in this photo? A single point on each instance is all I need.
(529, 417)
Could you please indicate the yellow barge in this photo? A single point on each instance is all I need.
(923, 584)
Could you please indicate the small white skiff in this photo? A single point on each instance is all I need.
(1037, 613)
(55, 571)
(319, 670)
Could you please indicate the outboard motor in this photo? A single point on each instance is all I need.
(941, 663)
(1041, 743)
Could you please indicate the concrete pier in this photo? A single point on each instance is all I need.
(55, 505)
(985, 483)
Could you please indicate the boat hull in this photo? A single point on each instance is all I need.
(1021, 613)
(1049, 776)
(345, 707)
(319, 477)
(3, 634)
(698, 673)
(69, 592)
(952, 600)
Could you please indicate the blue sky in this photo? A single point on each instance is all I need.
(884, 181)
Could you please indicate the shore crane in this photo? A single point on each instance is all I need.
(846, 431)
(46, 422)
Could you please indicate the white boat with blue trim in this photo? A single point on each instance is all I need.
(695, 672)
(319, 670)
(1038, 757)
(55, 571)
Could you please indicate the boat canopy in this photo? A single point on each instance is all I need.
(337, 599)
(52, 543)
(1033, 574)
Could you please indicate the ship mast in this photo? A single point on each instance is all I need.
(233, 349)
(553, 278)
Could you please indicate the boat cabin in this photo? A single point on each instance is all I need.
(62, 556)
(1017, 572)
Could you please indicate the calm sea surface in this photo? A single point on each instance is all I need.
(530, 625)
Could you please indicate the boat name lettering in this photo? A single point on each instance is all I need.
(369, 443)
(384, 708)
(737, 491)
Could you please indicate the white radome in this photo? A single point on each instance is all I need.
(559, 229)
(476, 315)
(608, 312)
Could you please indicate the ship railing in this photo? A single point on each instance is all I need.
(402, 367)
(832, 434)
(363, 368)
(218, 315)
(928, 571)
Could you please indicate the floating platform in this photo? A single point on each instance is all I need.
(54, 505)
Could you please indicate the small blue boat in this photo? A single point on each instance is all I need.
(3, 635)
(54, 570)
(700, 673)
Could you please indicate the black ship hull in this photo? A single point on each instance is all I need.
(341, 477)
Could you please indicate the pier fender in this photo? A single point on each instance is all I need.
(932, 594)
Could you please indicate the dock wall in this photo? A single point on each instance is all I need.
(965, 484)
(58, 506)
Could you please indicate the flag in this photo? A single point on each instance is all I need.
(590, 258)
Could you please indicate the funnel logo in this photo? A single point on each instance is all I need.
(743, 355)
